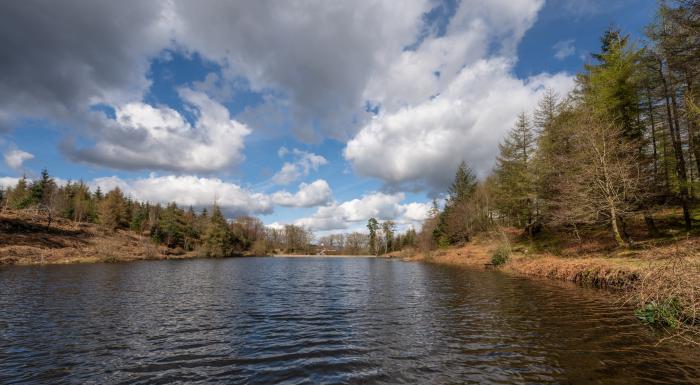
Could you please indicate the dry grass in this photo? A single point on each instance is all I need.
(476, 253)
(661, 277)
(597, 272)
(25, 239)
(667, 295)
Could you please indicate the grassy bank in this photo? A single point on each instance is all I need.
(29, 240)
(589, 265)
(661, 277)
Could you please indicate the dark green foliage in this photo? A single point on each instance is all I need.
(98, 194)
(662, 315)
(171, 227)
(463, 185)
(611, 86)
(139, 215)
(501, 255)
(515, 175)
(373, 226)
(42, 189)
(457, 222)
(218, 239)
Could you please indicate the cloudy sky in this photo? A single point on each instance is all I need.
(321, 113)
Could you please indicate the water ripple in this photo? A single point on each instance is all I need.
(309, 321)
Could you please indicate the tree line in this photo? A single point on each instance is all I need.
(206, 231)
(381, 238)
(623, 144)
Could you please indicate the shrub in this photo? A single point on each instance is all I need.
(667, 314)
(259, 247)
(667, 296)
(500, 256)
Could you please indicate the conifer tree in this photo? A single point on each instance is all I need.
(453, 223)
(515, 177)
(192, 229)
(20, 197)
(172, 226)
(373, 226)
(611, 86)
(547, 110)
(463, 185)
(217, 237)
(42, 189)
(112, 210)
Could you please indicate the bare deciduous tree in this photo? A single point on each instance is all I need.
(603, 178)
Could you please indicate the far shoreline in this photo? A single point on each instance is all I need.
(321, 256)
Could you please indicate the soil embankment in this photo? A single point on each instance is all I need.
(602, 268)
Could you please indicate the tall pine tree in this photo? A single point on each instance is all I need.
(515, 180)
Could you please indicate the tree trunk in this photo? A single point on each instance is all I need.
(623, 229)
(652, 230)
(616, 231)
(692, 138)
(653, 135)
(677, 148)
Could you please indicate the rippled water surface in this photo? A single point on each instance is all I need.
(317, 320)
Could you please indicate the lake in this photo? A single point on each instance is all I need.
(318, 320)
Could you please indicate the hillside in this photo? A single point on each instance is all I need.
(26, 238)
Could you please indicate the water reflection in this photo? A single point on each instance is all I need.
(291, 320)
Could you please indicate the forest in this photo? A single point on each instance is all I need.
(622, 148)
(206, 232)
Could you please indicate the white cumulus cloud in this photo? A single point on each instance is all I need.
(309, 195)
(188, 190)
(425, 142)
(341, 216)
(8, 181)
(304, 163)
(451, 99)
(147, 137)
(16, 158)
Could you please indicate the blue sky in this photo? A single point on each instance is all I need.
(320, 115)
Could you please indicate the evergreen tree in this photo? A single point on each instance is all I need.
(463, 185)
(171, 226)
(515, 175)
(451, 224)
(218, 240)
(42, 189)
(611, 86)
(98, 194)
(20, 197)
(192, 229)
(139, 216)
(547, 110)
(373, 226)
